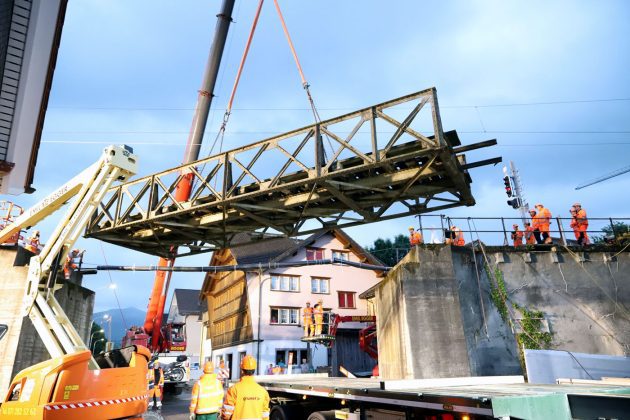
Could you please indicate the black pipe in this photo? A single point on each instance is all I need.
(240, 267)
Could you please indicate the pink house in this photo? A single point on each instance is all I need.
(259, 312)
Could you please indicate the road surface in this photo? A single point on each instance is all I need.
(173, 407)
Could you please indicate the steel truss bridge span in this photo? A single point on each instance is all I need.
(382, 162)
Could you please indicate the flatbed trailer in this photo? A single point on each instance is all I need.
(316, 397)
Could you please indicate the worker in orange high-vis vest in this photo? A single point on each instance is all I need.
(458, 236)
(517, 236)
(207, 395)
(415, 237)
(582, 224)
(246, 399)
(544, 222)
(530, 239)
(156, 385)
(307, 319)
(318, 317)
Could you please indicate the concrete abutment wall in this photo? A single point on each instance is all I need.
(436, 317)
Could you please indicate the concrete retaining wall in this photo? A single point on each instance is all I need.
(436, 317)
(22, 347)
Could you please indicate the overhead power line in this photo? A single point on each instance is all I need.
(515, 104)
(612, 174)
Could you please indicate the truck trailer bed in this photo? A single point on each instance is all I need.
(489, 396)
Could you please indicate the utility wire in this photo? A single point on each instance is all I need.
(577, 101)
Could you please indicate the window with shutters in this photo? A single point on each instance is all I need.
(347, 300)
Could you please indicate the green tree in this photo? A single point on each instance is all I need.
(96, 334)
(616, 229)
(388, 251)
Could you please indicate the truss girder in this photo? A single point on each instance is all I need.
(331, 174)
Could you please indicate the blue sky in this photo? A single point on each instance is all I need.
(128, 72)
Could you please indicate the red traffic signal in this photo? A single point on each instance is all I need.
(508, 186)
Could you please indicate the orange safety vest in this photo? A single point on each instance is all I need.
(318, 312)
(459, 237)
(307, 315)
(517, 236)
(542, 220)
(246, 400)
(207, 395)
(582, 221)
(530, 239)
(153, 389)
(415, 238)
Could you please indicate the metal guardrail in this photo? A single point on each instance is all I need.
(494, 230)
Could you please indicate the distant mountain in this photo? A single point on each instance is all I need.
(132, 316)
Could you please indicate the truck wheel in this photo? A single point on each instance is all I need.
(322, 415)
(286, 412)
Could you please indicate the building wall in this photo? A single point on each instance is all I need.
(228, 308)
(21, 346)
(342, 278)
(193, 337)
(13, 284)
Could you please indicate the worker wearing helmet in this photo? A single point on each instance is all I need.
(544, 221)
(207, 395)
(32, 243)
(517, 236)
(307, 318)
(246, 399)
(318, 317)
(530, 239)
(415, 237)
(73, 260)
(223, 373)
(156, 385)
(458, 236)
(582, 224)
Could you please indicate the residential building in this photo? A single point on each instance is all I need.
(259, 311)
(30, 32)
(186, 308)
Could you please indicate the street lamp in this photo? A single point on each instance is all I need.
(94, 344)
(108, 319)
(92, 336)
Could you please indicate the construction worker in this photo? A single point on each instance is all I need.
(582, 224)
(535, 226)
(318, 317)
(246, 399)
(307, 318)
(530, 239)
(32, 243)
(544, 221)
(415, 237)
(156, 385)
(73, 260)
(223, 374)
(458, 236)
(207, 395)
(517, 236)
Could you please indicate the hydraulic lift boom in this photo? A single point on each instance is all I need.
(73, 384)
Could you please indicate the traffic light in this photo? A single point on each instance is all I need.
(508, 186)
(515, 203)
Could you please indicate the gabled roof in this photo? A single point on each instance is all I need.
(342, 237)
(188, 302)
(260, 252)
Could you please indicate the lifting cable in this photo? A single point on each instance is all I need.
(228, 109)
(305, 84)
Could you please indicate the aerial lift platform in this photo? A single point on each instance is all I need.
(73, 384)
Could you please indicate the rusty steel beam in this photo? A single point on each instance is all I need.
(296, 183)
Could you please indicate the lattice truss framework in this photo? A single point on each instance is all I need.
(378, 163)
